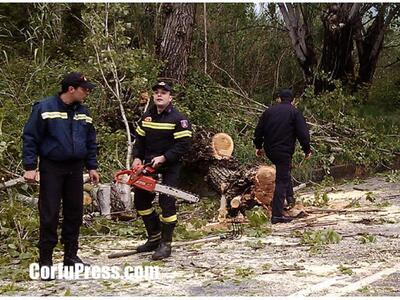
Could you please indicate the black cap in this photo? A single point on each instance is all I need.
(76, 79)
(162, 85)
(286, 94)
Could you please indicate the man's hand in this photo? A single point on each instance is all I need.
(158, 161)
(259, 152)
(308, 155)
(94, 176)
(136, 162)
(30, 176)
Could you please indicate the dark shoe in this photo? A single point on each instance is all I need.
(149, 246)
(72, 261)
(282, 219)
(46, 260)
(70, 256)
(163, 251)
(301, 214)
(44, 273)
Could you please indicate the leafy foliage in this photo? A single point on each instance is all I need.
(18, 235)
(316, 239)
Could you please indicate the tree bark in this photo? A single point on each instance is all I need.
(344, 24)
(176, 39)
(296, 21)
(371, 45)
(337, 54)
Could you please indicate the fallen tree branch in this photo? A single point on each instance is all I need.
(11, 183)
(19, 180)
(27, 199)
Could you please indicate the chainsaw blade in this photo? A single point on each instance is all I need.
(176, 193)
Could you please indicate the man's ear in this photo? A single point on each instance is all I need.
(71, 89)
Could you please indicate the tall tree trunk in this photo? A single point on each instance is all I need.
(337, 52)
(296, 21)
(176, 39)
(371, 45)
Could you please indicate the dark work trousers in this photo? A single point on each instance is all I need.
(143, 199)
(283, 181)
(60, 180)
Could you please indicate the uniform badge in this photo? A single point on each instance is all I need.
(147, 119)
(184, 123)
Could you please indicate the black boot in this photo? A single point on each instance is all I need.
(46, 260)
(153, 228)
(70, 256)
(151, 244)
(164, 250)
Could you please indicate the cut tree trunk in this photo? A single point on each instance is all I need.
(241, 186)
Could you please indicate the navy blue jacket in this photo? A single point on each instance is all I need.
(59, 132)
(168, 134)
(278, 128)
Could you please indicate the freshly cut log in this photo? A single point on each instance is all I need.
(222, 145)
(264, 185)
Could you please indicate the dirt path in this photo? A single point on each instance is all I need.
(366, 261)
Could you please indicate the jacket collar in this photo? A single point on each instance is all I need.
(73, 106)
(167, 110)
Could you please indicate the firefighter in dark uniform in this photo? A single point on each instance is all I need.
(60, 132)
(276, 134)
(163, 135)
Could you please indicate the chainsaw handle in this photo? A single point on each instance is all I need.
(135, 173)
(124, 172)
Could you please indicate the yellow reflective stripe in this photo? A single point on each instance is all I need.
(54, 115)
(140, 131)
(84, 117)
(154, 125)
(155, 237)
(181, 134)
(145, 212)
(170, 219)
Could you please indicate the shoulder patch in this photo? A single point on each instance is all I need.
(184, 123)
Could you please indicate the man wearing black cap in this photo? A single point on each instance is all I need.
(276, 132)
(60, 132)
(163, 135)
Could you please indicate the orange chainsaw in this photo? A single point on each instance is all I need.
(140, 177)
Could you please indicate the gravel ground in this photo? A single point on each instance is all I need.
(276, 265)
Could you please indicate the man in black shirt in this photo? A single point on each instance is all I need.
(276, 134)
